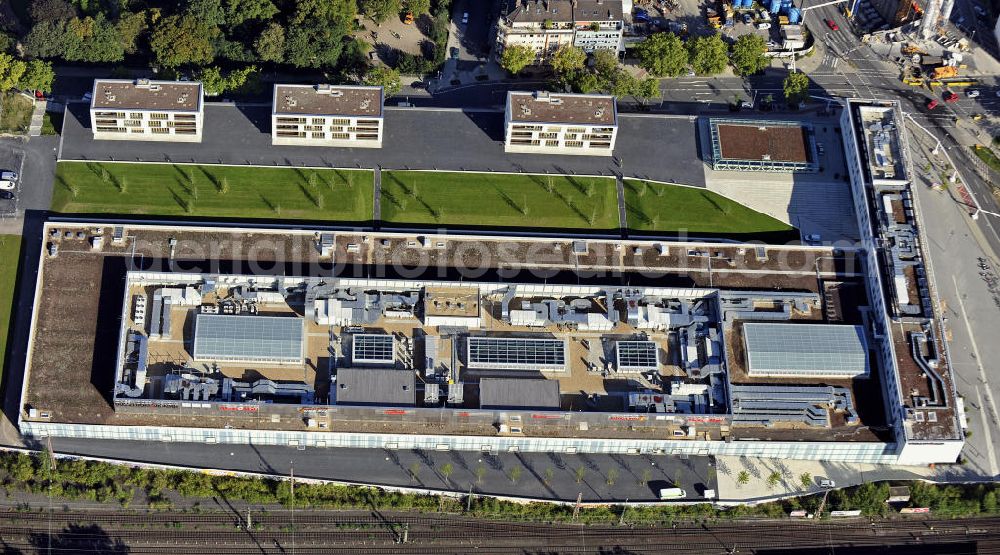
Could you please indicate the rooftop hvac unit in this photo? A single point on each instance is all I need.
(324, 88)
(142, 83)
(599, 112)
(366, 103)
(555, 101)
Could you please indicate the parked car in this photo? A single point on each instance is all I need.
(763, 25)
(454, 53)
(408, 18)
(980, 11)
(950, 97)
(691, 73)
(7, 195)
(747, 18)
(932, 104)
(832, 24)
(672, 493)
(8, 175)
(7, 185)
(465, 18)
(972, 93)
(827, 483)
(746, 104)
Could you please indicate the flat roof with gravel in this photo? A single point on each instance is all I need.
(143, 94)
(328, 100)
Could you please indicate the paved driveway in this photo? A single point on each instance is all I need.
(654, 147)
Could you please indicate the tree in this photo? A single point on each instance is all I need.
(516, 57)
(796, 87)
(774, 478)
(380, 10)
(647, 89)
(179, 40)
(806, 480)
(605, 65)
(550, 473)
(130, 26)
(38, 76)
(663, 55)
(743, 478)
(51, 10)
(446, 471)
(580, 473)
(386, 78)
(215, 83)
(707, 55)
(480, 473)
(568, 59)
(270, 45)
(11, 71)
(418, 7)
(239, 11)
(208, 12)
(612, 476)
(314, 45)
(415, 471)
(748, 55)
(515, 474)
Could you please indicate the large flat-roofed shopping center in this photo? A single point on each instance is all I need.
(376, 339)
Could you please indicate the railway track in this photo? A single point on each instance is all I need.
(355, 532)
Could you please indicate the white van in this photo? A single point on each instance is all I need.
(672, 493)
(7, 185)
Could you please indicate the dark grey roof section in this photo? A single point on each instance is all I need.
(503, 393)
(380, 387)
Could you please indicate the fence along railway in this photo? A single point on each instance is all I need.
(373, 532)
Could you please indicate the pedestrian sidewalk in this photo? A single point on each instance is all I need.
(790, 473)
(37, 117)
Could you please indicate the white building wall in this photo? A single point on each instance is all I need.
(857, 452)
(146, 125)
(326, 130)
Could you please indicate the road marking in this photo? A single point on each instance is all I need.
(982, 373)
(991, 456)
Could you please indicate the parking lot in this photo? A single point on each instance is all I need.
(688, 17)
(11, 159)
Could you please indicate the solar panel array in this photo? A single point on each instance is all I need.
(226, 337)
(516, 353)
(373, 348)
(636, 355)
(805, 350)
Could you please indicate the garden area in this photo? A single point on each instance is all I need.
(15, 113)
(163, 489)
(499, 200)
(213, 191)
(663, 208)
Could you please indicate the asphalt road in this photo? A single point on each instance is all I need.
(604, 477)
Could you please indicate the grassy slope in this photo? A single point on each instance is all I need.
(16, 113)
(671, 208)
(499, 200)
(10, 246)
(165, 189)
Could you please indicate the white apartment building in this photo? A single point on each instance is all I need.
(550, 123)
(145, 110)
(327, 115)
(599, 25)
(542, 25)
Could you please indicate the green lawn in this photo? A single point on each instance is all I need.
(498, 200)
(16, 115)
(987, 155)
(10, 246)
(655, 207)
(214, 191)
